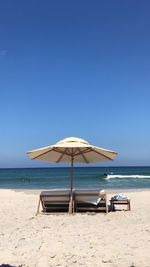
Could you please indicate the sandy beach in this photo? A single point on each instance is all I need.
(120, 238)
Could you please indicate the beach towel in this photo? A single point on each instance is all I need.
(119, 197)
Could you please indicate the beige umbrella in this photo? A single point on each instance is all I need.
(72, 150)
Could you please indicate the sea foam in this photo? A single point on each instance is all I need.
(125, 176)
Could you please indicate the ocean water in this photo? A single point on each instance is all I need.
(88, 177)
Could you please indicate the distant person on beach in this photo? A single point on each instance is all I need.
(105, 175)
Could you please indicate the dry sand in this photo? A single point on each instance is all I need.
(121, 238)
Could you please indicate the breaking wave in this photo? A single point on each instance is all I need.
(126, 176)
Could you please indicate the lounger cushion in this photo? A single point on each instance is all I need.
(55, 200)
(89, 196)
(55, 195)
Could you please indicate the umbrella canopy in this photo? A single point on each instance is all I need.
(72, 149)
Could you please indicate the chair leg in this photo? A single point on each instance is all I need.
(106, 208)
(73, 206)
(70, 207)
(106, 204)
(129, 206)
(38, 207)
(71, 203)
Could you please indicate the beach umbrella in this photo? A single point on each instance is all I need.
(72, 149)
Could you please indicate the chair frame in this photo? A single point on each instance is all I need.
(54, 204)
(82, 206)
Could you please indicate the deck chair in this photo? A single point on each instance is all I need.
(90, 200)
(55, 201)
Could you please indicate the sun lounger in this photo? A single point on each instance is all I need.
(90, 200)
(55, 201)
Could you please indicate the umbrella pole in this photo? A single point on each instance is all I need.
(71, 174)
(71, 205)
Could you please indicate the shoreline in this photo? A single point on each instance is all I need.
(108, 191)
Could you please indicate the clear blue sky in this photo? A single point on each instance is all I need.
(74, 68)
